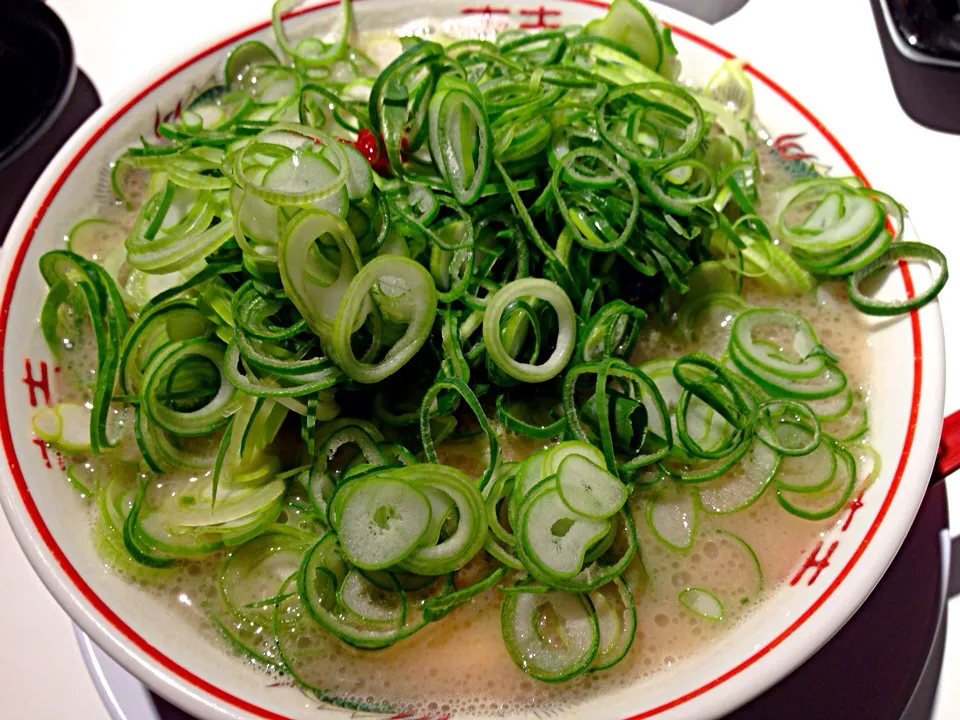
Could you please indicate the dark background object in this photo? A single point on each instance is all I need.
(921, 44)
(929, 27)
(44, 98)
(710, 11)
(37, 71)
(17, 177)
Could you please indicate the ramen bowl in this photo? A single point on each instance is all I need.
(830, 581)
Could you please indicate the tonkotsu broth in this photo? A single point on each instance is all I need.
(431, 671)
(459, 665)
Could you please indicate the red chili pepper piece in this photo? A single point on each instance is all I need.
(370, 147)
(948, 458)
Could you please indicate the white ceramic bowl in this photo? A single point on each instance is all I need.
(159, 648)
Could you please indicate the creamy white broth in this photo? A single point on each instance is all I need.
(431, 671)
(459, 665)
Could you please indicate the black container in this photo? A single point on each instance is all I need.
(921, 43)
(37, 70)
(45, 98)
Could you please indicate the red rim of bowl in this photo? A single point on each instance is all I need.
(182, 673)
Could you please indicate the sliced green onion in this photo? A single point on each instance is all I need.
(548, 292)
(702, 602)
(903, 252)
(403, 291)
(575, 628)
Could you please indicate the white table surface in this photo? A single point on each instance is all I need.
(800, 44)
